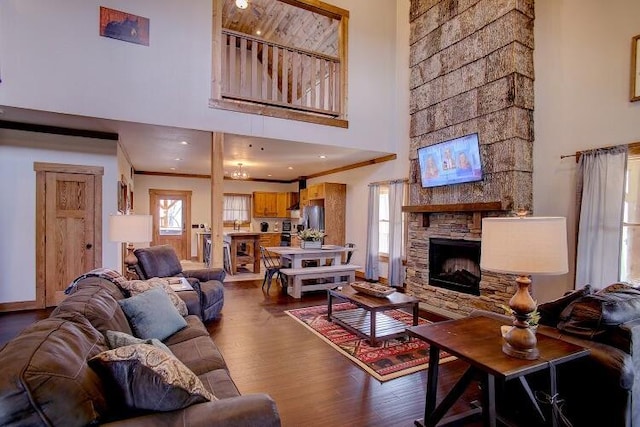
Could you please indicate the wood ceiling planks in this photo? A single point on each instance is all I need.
(283, 23)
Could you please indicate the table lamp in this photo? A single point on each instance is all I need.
(523, 246)
(129, 229)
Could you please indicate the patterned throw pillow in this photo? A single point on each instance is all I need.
(117, 339)
(135, 287)
(148, 378)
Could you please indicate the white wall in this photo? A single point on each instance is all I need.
(53, 59)
(200, 196)
(18, 152)
(582, 59)
(358, 180)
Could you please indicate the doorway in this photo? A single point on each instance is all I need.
(171, 211)
(68, 227)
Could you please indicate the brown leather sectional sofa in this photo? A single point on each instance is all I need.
(47, 380)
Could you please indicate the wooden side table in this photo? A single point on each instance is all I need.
(478, 341)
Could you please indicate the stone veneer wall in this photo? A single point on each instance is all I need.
(471, 71)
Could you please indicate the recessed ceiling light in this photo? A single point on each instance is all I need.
(177, 159)
(322, 156)
(184, 143)
(258, 32)
(290, 168)
(269, 175)
(172, 169)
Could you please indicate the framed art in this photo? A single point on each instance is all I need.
(635, 69)
(124, 26)
(122, 197)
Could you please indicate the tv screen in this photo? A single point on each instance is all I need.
(450, 162)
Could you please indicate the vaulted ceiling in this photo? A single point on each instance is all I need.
(282, 23)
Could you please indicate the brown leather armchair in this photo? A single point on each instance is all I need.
(206, 300)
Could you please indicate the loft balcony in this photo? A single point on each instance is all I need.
(295, 71)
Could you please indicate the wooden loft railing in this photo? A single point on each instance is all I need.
(268, 73)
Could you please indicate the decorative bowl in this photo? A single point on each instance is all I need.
(373, 289)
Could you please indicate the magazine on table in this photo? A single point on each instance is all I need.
(180, 284)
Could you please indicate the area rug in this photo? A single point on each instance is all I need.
(391, 359)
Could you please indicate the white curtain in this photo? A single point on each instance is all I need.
(396, 269)
(372, 267)
(236, 207)
(601, 180)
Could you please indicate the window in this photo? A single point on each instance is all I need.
(383, 222)
(236, 207)
(630, 256)
(170, 217)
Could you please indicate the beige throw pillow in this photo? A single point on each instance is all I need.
(136, 287)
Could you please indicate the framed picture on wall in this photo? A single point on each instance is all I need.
(635, 68)
(124, 26)
(122, 197)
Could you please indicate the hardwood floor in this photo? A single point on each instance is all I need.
(312, 384)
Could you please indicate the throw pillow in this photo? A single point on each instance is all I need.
(150, 379)
(135, 287)
(592, 315)
(104, 273)
(152, 315)
(117, 339)
(550, 311)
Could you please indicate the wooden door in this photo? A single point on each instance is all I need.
(171, 211)
(69, 227)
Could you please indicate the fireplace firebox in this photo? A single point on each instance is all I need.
(455, 265)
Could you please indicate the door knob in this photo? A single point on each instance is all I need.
(89, 246)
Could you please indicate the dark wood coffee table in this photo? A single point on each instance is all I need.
(368, 320)
(478, 341)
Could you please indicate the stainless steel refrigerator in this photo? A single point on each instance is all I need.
(312, 217)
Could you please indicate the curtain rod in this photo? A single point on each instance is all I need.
(391, 181)
(633, 148)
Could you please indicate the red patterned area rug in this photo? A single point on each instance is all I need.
(391, 359)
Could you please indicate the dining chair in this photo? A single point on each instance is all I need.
(272, 268)
(352, 249)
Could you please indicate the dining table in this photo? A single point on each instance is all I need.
(293, 256)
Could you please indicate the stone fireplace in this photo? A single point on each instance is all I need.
(471, 68)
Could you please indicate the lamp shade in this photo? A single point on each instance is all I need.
(524, 245)
(130, 228)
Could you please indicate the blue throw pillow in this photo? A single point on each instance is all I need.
(152, 314)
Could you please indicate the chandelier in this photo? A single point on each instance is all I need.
(242, 4)
(240, 173)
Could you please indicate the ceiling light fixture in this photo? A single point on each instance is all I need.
(240, 173)
(242, 4)
(184, 143)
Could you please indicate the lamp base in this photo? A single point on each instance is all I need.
(527, 354)
(520, 341)
(130, 261)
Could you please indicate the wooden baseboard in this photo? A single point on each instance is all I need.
(360, 276)
(18, 306)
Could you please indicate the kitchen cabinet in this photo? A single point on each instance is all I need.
(282, 203)
(265, 204)
(273, 205)
(316, 191)
(269, 239)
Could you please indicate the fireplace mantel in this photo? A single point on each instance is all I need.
(475, 208)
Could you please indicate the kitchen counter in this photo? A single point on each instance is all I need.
(251, 252)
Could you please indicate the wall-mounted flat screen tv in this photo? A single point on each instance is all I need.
(450, 162)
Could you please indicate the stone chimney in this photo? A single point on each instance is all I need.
(471, 72)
